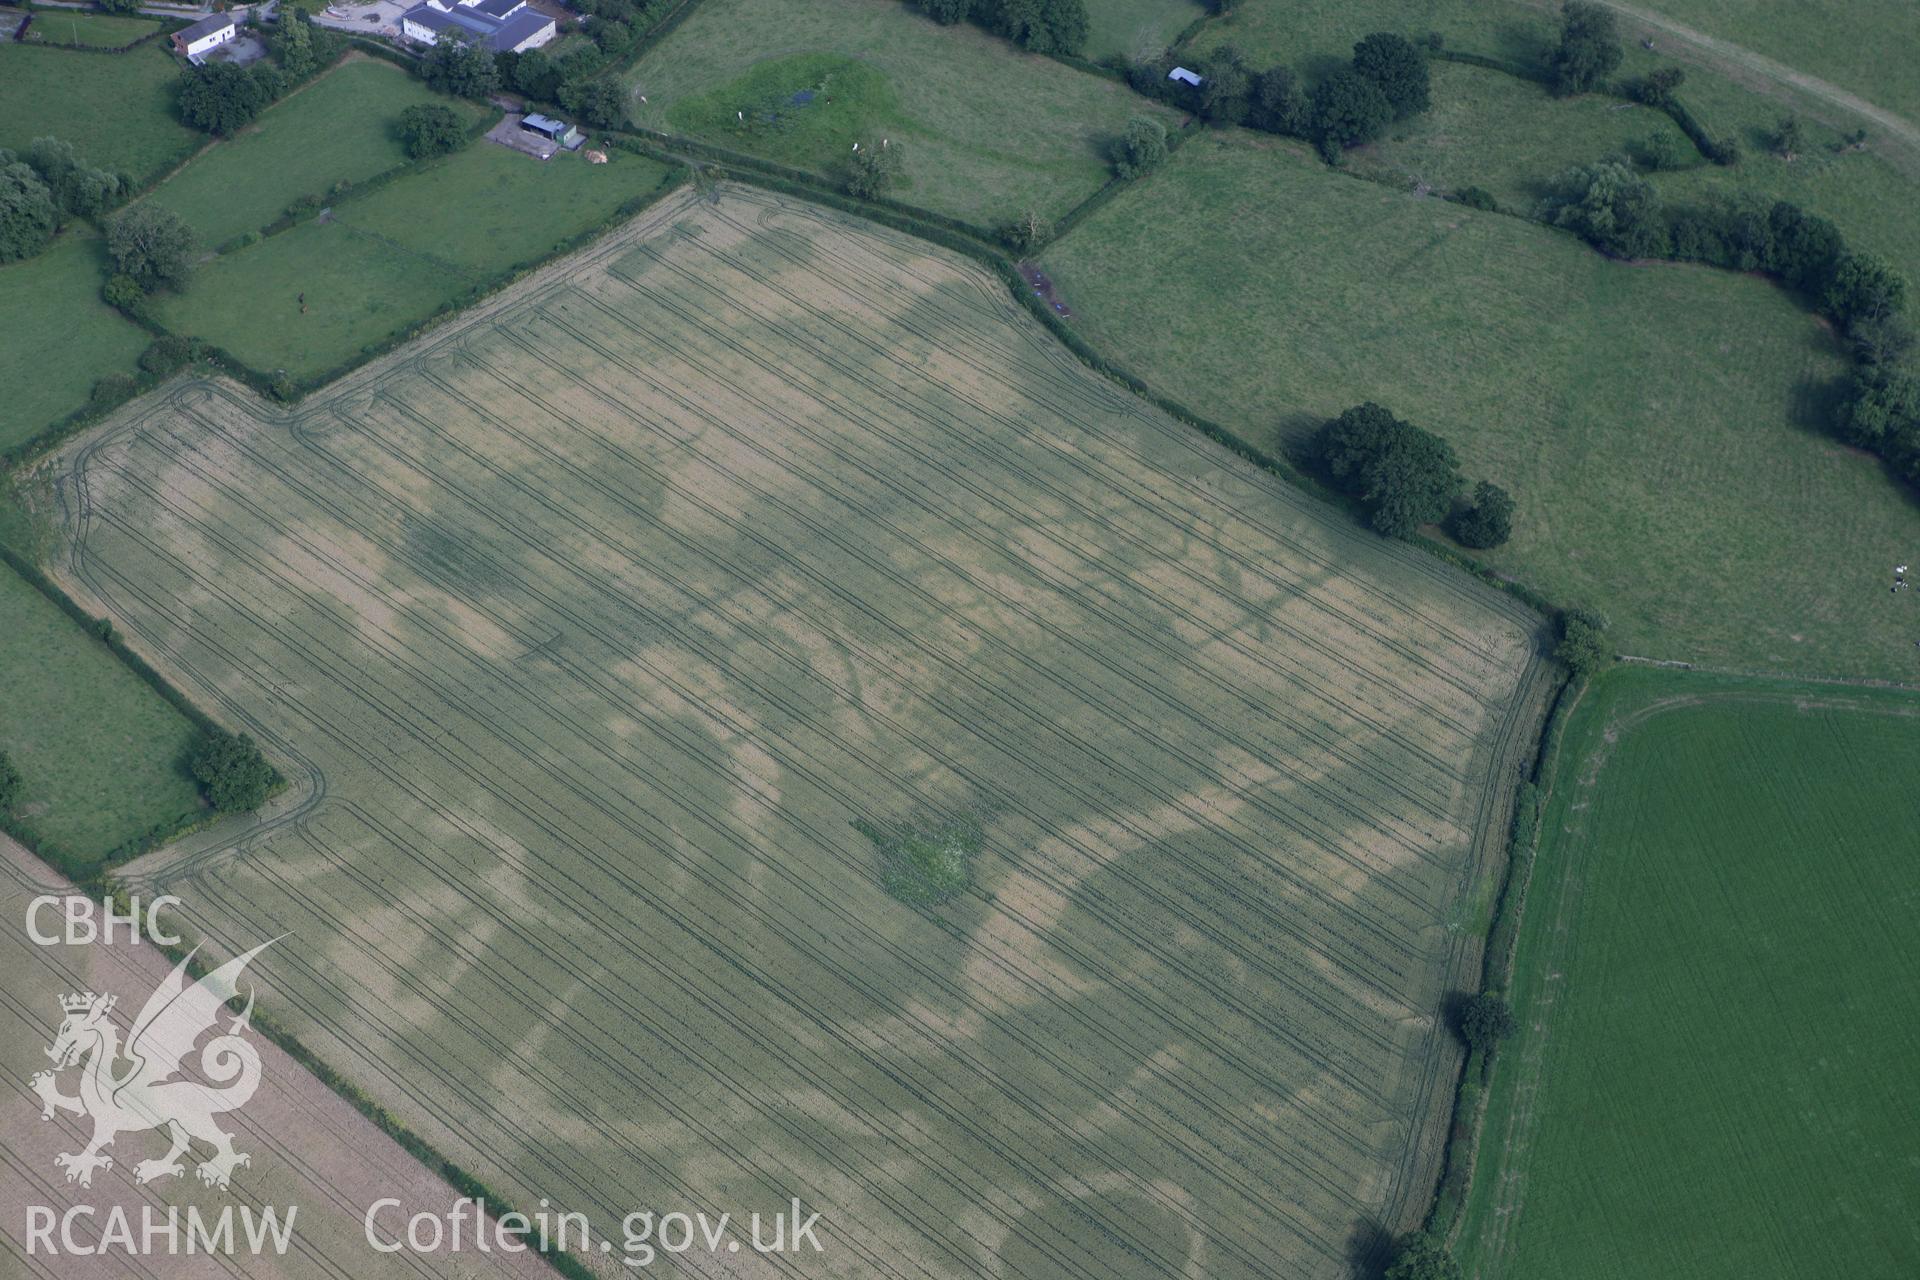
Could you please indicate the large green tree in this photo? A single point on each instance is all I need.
(77, 186)
(1399, 67)
(1611, 206)
(1347, 109)
(431, 129)
(461, 68)
(232, 772)
(1141, 148)
(27, 212)
(223, 98)
(1589, 49)
(1407, 477)
(151, 246)
(1422, 1256)
(1044, 26)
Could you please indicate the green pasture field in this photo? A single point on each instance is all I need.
(98, 30)
(1661, 427)
(1317, 36)
(1718, 985)
(60, 337)
(343, 127)
(101, 754)
(614, 614)
(388, 260)
(1512, 137)
(1865, 46)
(116, 109)
(1140, 30)
(1507, 136)
(988, 131)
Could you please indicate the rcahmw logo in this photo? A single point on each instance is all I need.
(151, 1091)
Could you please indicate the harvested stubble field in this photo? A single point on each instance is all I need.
(591, 626)
(309, 1148)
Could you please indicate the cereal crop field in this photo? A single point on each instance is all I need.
(596, 627)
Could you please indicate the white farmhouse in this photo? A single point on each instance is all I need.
(208, 33)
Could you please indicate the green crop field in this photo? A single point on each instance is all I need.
(343, 127)
(390, 260)
(101, 754)
(97, 30)
(1661, 427)
(1136, 29)
(116, 109)
(60, 337)
(606, 623)
(988, 131)
(1718, 985)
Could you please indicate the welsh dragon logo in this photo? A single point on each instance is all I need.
(151, 1092)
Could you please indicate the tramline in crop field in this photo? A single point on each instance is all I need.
(596, 629)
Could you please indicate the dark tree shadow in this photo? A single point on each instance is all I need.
(1369, 1249)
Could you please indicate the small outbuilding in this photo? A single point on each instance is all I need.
(204, 36)
(558, 131)
(1185, 76)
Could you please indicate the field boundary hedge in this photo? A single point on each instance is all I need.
(163, 27)
(1468, 1118)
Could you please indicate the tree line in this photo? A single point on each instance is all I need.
(1042, 26)
(1387, 79)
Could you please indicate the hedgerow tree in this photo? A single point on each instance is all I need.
(223, 98)
(1422, 1256)
(601, 103)
(1141, 148)
(1583, 641)
(1399, 67)
(77, 186)
(1882, 413)
(151, 246)
(1611, 206)
(1347, 109)
(1485, 1020)
(1660, 151)
(291, 43)
(460, 68)
(1658, 86)
(1225, 85)
(1044, 26)
(1277, 105)
(27, 212)
(536, 75)
(1589, 49)
(871, 170)
(947, 12)
(1484, 521)
(1027, 232)
(1863, 288)
(231, 771)
(431, 129)
(1406, 477)
(1788, 137)
(10, 785)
